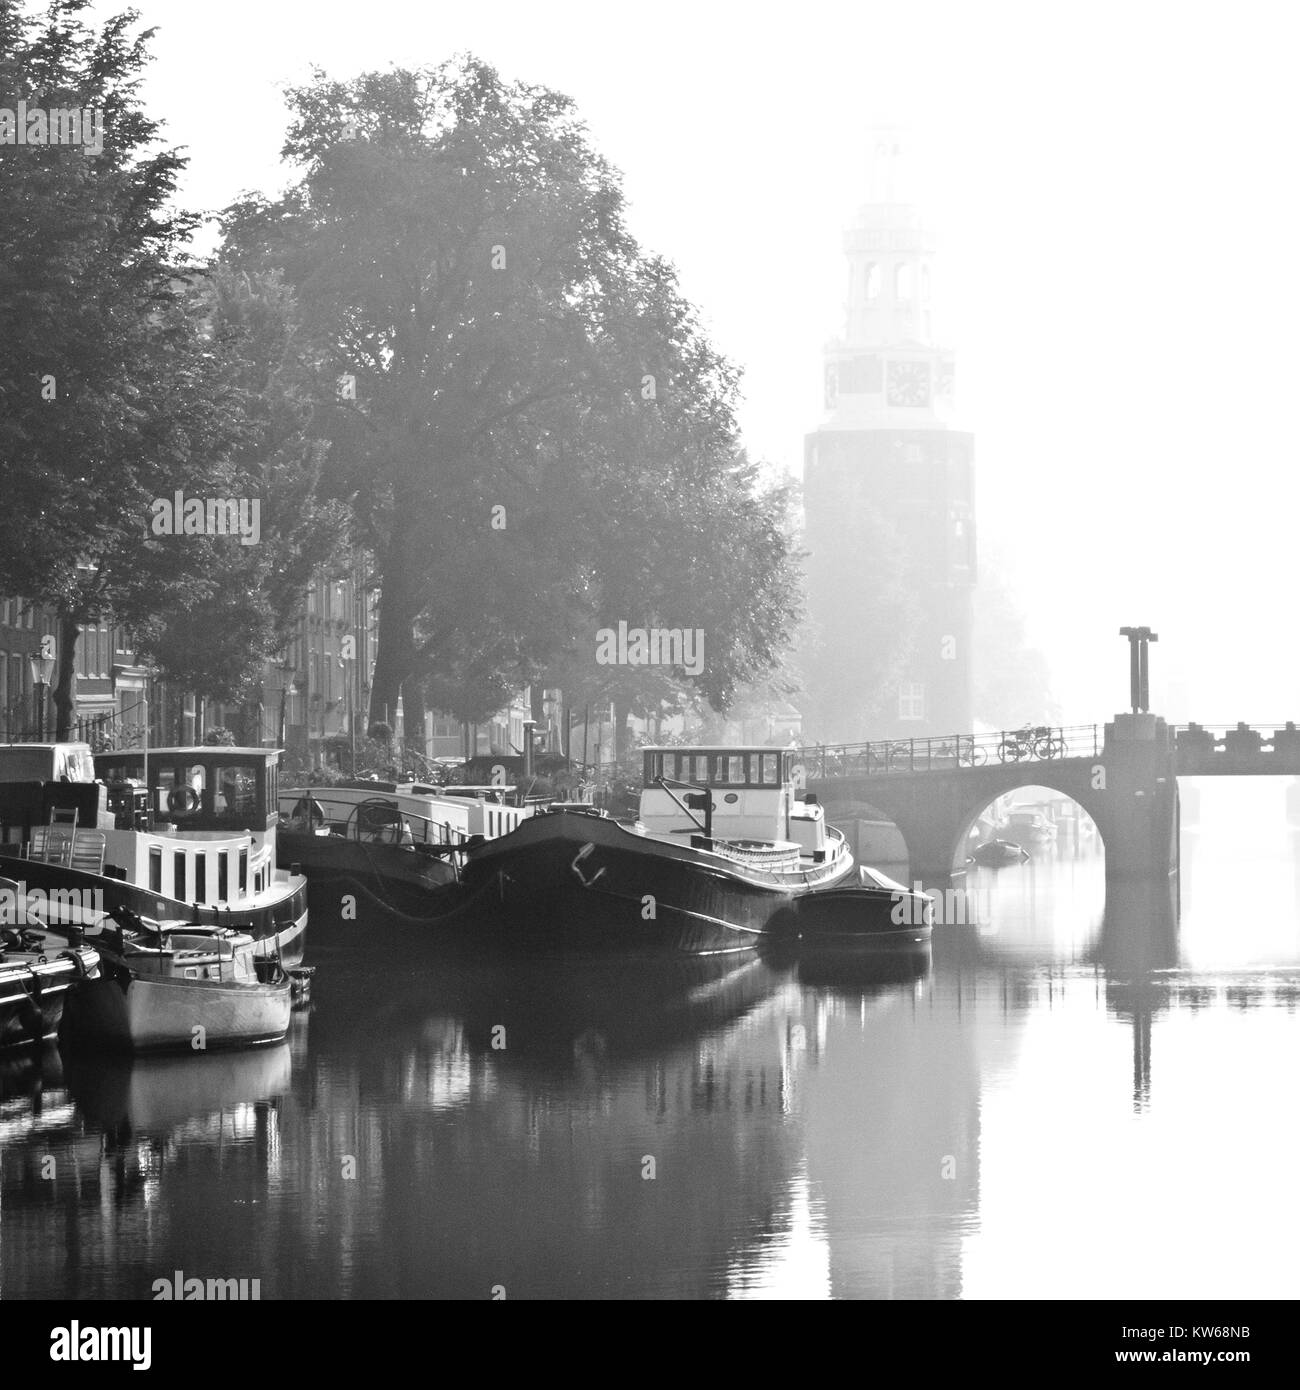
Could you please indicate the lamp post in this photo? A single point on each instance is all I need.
(349, 675)
(42, 669)
(529, 725)
(288, 674)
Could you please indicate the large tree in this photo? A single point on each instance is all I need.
(537, 435)
(126, 376)
(109, 395)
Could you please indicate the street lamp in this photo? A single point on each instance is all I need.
(42, 669)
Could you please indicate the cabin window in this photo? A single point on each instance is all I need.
(155, 868)
(769, 777)
(736, 771)
(223, 878)
(243, 872)
(178, 874)
(200, 878)
(236, 791)
(179, 788)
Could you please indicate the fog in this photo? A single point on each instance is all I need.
(1112, 187)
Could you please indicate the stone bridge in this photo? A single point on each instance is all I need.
(1124, 774)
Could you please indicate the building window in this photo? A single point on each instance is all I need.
(911, 700)
(871, 281)
(903, 282)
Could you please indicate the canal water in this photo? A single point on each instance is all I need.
(1017, 1117)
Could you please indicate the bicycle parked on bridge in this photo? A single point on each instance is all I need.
(969, 753)
(1036, 741)
(1050, 746)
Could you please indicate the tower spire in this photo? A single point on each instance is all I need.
(886, 155)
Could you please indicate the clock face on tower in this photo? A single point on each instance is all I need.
(908, 384)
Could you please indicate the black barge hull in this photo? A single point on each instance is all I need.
(571, 881)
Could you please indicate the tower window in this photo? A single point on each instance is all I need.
(903, 282)
(871, 281)
(911, 700)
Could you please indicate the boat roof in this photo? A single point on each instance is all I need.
(205, 750)
(71, 744)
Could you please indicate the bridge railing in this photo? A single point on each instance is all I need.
(1195, 741)
(1038, 743)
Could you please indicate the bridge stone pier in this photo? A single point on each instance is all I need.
(1125, 779)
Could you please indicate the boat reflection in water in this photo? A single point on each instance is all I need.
(128, 1095)
(571, 1127)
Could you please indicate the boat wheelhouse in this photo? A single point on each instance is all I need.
(753, 807)
(167, 833)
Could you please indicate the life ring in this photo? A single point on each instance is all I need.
(183, 799)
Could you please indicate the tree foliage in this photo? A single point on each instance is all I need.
(125, 378)
(535, 434)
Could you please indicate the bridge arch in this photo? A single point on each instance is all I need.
(934, 811)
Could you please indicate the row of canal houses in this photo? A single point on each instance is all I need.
(310, 702)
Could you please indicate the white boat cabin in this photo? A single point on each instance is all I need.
(209, 835)
(752, 793)
(46, 762)
(404, 813)
(181, 951)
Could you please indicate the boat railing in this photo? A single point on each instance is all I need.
(346, 817)
(758, 856)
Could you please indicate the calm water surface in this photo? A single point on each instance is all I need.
(1026, 1115)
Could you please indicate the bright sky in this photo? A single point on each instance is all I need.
(1114, 189)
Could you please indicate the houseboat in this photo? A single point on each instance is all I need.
(167, 833)
(399, 843)
(721, 850)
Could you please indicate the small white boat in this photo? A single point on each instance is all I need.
(175, 986)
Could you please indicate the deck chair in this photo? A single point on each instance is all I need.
(88, 849)
(53, 844)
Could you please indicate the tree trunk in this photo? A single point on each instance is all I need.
(413, 715)
(65, 697)
(394, 655)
